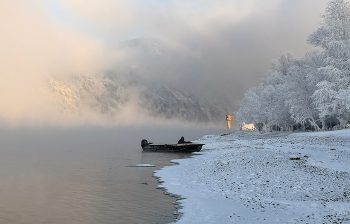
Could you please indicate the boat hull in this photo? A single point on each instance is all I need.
(188, 147)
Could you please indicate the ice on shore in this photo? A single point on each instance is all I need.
(144, 165)
(279, 177)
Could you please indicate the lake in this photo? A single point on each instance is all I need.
(85, 174)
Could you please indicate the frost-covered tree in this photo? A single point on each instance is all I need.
(301, 83)
(282, 63)
(274, 97)
(335, 25)
(264, 106)
(311, 92)
(333, 35)
(250, 111)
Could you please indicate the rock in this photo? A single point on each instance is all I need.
(294, 157)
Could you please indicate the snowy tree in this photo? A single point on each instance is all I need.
(335, 25)
(282, 63)
(301, 83)
(273, 101)
(265, 106)
(334, 36)
(249, 112)
(310, 92)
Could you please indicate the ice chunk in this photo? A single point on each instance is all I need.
(145, 165)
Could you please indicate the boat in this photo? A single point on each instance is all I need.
(184, 147)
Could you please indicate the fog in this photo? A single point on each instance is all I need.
(212, 49)
(86, 137)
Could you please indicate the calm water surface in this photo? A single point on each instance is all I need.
(83, 175)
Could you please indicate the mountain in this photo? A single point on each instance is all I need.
(105, 96)
(143, 77)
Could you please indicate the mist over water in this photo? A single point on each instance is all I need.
(211, 52)
(83, 174)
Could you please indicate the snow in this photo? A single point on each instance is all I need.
(248, 177)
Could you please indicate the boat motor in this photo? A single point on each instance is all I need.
(144, 143)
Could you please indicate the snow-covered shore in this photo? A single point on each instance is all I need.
(248, 177)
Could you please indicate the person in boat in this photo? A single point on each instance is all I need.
(182, 141)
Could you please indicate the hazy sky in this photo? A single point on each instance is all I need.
(232, 41)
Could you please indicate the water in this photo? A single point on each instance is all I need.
(83, 175)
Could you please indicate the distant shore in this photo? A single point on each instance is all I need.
(277, 177)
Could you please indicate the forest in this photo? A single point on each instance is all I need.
(307, 93)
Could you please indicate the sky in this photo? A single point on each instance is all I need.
(225, 46)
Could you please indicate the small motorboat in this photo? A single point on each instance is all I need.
(185, 147)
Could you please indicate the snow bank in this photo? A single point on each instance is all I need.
(247, 177)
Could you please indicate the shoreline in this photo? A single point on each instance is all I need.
(177, 203)
(278, 177)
